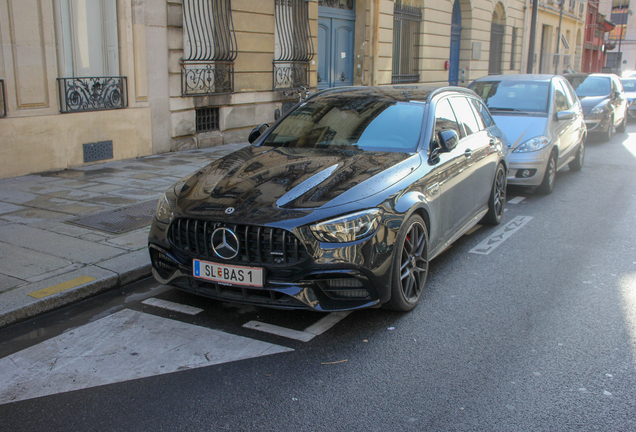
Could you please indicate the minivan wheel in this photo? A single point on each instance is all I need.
(608, 134)
(577, 163)
(410, 265)
(547, 185)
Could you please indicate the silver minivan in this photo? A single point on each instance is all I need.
(543, 121)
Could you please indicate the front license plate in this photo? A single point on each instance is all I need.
(228, 274)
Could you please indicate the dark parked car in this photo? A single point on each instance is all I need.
(543, 121)
(629, 85)
(604, 102)
(339, 205)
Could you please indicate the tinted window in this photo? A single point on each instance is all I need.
(350, 123)
(531, 96)
(629, 85)
(464, 114)
(590, 85)
(483, 111)
(445, 118)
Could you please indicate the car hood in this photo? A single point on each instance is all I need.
(630, 95)
(520, 128)
(255, 179)
(589, 102)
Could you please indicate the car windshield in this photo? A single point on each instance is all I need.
(590, 85)
(513, 96)
(629, 85)
(351, 124)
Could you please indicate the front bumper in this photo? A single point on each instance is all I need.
(535, 163)
(597, 123)
(352, 276)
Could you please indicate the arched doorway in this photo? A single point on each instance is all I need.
(456, 36)
(497, 31)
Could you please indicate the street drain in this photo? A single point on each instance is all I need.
(121, 220)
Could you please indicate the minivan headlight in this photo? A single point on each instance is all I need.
(534, 144)
(352, 227)
(598, 109)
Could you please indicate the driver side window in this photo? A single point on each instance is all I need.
(445, 118)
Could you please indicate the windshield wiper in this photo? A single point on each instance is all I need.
(505, 109)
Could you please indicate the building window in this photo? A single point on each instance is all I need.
(513, 48)
(88, 56)
(406, 32)
(293, 44)
(209, 47)
(497, 31)
(207, 119)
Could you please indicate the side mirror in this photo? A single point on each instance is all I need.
(257, 132)
(617, 94)
(564, 115)
(448, 139)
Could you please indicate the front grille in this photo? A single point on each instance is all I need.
(257, 245)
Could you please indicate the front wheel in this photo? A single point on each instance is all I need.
(608, 134)
(410, 265)
(497, 199)
(577, 163)
(547, 185)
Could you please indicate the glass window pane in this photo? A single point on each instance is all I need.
(464, 114)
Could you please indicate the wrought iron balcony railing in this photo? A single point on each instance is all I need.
(81, 94)
(207, 78)
(295, 48)
(3, 101)
(290, 75)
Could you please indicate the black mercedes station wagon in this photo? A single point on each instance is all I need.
(340, 204)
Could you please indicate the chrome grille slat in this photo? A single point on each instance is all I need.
(258, 245)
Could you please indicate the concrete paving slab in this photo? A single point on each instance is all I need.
(14, 196)
(141, 194)
(112, 201)
(8, 282)
(66, 229)
(63, 205)
(17, 305)
(131, 267)
(133, 241)
(131, 183)
(58, 245)
(33, 216)
(73, 194)
(23, 263)
(8, 208)
(54, 273)
(103, 188)
(76, 183)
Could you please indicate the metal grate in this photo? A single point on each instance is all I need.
(258, 245)
(92, 93)
(207, 119)
(98, 151)
(121, 220)
(406, 32)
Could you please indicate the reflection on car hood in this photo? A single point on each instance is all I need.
(520, 128)
(277, 178)
(589, 102)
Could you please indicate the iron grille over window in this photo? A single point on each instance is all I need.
(207, 119)
(406, 32)
(294, 47)
(3, 101)
(92, 93)
(209, 47)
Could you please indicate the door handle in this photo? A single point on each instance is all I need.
(342, 76)
(319, 79)
(468, 153)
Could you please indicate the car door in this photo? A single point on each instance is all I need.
(452, 173)
(561, 131)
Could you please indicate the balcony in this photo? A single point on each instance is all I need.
(207, 78)
(80, 94)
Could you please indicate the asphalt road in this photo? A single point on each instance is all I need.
(539, 334)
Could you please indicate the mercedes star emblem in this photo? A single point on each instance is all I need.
(225, 243)
(229, 210)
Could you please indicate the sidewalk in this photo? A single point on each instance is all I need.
(67, 235)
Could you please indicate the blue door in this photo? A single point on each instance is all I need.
(456, 35)
(335, 47)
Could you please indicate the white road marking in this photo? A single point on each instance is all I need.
(516, 200)
(123, 346)
(175, 307)
(306, 335)
(489, 244)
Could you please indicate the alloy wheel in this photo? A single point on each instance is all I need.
(414, 262)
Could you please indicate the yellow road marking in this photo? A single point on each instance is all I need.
(61, 287)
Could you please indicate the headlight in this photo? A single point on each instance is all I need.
(534, 144)
(348, 228)
(598, 109)
(164, 212)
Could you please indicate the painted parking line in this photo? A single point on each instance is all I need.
(120, 347)
(516, 200)
(54, 289)
(171, 306)
(490, 243)
(306, 335)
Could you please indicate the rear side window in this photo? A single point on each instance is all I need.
(560, 101)
(465, 115)
(445, 118)
(483, 112)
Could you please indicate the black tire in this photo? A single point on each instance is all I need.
(608, 134)
(549, 178)
(410, 265)
(497, 200)
(577, 163)
(621, 128)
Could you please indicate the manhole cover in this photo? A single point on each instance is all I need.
(121, 220)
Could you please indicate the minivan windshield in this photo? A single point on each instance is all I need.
(351, 124)
(514, 96)
(590, 85)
